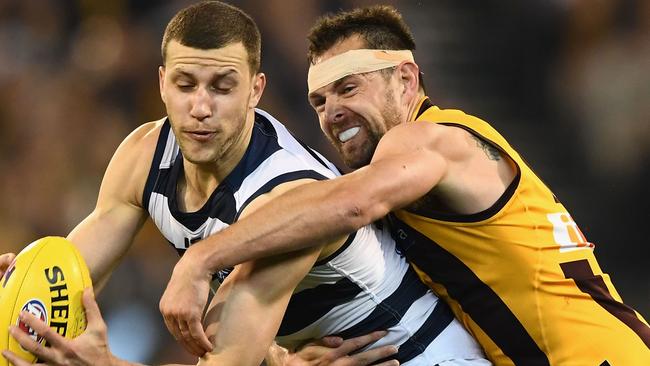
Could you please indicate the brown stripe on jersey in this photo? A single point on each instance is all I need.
(476, 298)
(426, 104)
(593, 285)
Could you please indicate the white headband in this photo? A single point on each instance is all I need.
(354, 62)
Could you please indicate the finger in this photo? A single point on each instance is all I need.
(198, 335)
(14, 360)
(5, 261)
(368, 357)
(187, 341)
(93, 314)
(354, 344)
(172, 327)
(41, 328)
(170, 320)
(331, 341)
(171, 324)
(29, 345)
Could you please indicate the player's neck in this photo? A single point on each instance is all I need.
(414, 105)
(199, 181)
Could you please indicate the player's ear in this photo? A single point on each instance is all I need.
(409, 77)
(258, 84)
(161, 82)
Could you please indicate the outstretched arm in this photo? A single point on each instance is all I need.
(406, 166)
(104, 237)
(107, 233)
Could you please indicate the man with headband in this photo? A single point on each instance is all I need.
(481, 228)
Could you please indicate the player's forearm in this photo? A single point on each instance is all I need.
(310, 215)
(317, 213)
(247, 310)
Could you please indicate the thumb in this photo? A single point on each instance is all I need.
(5, 262)
(93, 315)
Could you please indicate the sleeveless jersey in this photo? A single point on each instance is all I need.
(364, 286)
(520, 275)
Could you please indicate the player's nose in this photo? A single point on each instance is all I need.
(201, 104)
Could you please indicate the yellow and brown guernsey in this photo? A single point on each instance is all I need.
(520, 275)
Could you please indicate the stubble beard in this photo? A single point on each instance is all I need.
(214, 151)
(391, 118)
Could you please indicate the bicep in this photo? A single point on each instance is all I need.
(405, 166)
(104, 237)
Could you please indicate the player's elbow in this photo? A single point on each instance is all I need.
(363, 212)
(355, 203)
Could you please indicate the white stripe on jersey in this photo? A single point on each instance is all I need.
(171, 150)
(269, 169)
(174, 231)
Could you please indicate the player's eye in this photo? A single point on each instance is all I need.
(184, 86)
(317, 103)
(348, 88)
(221, 88)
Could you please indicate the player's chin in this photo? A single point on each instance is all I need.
(356, 159)
(201, 156)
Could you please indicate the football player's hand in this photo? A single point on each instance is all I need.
(89, 349)
(335, 351)
(5, 262)
(183, 302)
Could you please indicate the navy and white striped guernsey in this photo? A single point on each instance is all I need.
(364, 286)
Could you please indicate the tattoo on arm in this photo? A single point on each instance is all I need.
(489, 150)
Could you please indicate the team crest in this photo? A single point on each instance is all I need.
(36, 308)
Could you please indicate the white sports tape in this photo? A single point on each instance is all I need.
(354, 62)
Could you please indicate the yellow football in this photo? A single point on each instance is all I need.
(47, 279)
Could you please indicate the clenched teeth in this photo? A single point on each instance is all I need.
(348, 134)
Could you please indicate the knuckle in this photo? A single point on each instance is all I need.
(37, 349)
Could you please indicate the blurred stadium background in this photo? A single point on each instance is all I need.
(566, 81)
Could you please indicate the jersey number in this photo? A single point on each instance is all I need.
(594, 285)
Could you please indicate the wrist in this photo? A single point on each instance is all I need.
(196, 259)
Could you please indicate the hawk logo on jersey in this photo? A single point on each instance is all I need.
(567, 234)
(36, 308)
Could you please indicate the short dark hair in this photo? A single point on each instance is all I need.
(213, 24)
(380, 26)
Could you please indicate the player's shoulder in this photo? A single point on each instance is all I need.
(145, 136)
(448, 141)
(127, 172)
(139, 146)
(447, 116)
(424, 133)
(141, 142)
